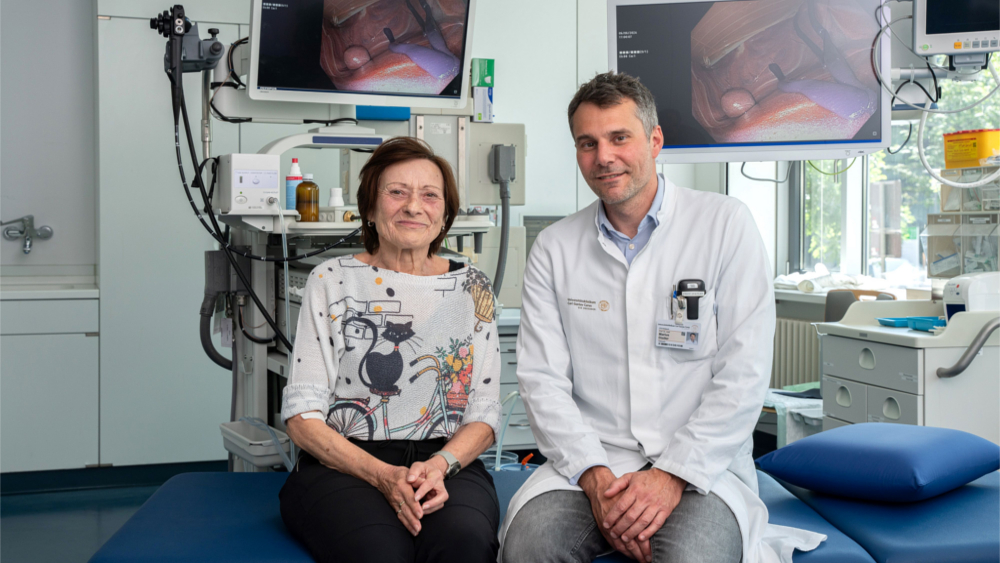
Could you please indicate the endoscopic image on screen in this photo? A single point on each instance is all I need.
(784, 70)
(394, 46)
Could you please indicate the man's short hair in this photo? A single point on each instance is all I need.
(610, 89)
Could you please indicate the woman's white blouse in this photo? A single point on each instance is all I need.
(386, 355)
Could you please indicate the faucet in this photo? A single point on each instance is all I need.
(27, 231)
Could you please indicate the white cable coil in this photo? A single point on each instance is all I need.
(923, 117)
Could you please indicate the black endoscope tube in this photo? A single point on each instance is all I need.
(225, 247)
(205, 333)
(504, 236)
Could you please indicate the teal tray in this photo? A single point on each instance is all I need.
(898, 322)
(924, 323)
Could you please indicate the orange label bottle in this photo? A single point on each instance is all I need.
(307, 200)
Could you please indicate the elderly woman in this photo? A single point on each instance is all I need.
(394, 389)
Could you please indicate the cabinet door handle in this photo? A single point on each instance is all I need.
(521, 424)
(867, 359)
(511, 363)
(844, 396)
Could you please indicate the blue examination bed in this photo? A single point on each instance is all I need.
(960, 526)
(233, 517)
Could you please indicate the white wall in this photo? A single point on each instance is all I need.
(592, 58)
(533, 45)
(47, 149)
(761, 198)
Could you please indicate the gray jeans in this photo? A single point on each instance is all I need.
(559, 526)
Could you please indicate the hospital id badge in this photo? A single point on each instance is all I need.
(679, 336)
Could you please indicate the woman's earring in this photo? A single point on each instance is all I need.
(371, 224)
(442, 228)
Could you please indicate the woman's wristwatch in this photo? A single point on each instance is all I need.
(454, 466)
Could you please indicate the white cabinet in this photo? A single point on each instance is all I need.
(48, 385)
(867, 381)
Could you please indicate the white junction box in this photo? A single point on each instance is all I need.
(246, 181)
(482, 137)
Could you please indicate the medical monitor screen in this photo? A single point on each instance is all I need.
(756, 73)
(962, 16)
(385, 47)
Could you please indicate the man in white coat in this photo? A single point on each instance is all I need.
(647, 430)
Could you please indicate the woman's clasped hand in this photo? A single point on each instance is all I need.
(405, 489)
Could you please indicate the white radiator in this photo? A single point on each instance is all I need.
(796, 353)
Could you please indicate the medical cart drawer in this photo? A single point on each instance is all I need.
(508, 344)
(518, 433)
(831, 423)
(508, 368)
(887, 405)
(884, 365)
(845, 400)
(508, 360)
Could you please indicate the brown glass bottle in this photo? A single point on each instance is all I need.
(307, 200)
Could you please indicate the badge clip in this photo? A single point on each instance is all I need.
(691, 291)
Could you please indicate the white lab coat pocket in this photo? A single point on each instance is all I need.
(697, 336)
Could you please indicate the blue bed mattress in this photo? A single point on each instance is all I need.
(962, 526)
(219, 517)
(225, 517)
(786, 510)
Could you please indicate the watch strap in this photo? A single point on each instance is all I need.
(454, 466)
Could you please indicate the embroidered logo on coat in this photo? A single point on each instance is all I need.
(582, 304)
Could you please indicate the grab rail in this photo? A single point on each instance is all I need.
(971, 351)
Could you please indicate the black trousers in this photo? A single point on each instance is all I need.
(342, 519)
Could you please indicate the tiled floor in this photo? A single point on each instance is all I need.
(64, 527)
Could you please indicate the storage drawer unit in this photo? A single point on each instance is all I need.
(883, 365)
(49, 413)
(846, 400)
(518, 435)
(887, 405)
(518, 432)
(508, 360)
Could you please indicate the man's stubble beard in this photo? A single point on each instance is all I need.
(633, 188)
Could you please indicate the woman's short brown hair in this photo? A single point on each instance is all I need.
(394, 151)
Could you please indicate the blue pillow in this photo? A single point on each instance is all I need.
(884, 461)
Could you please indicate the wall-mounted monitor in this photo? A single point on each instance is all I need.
(756, 80)
(955, 27)
(365, 52)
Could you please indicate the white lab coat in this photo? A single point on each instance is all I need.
(597, 389)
